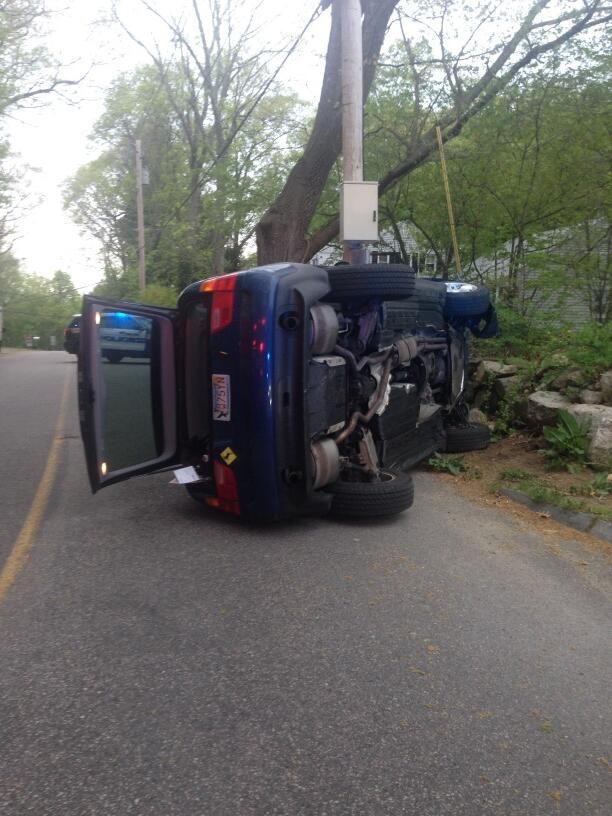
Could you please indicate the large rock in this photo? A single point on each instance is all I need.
(478, 417)
(605, 384)
(588, 397)
(492, 367)
(477, 373)
(598, 421)
(573, 378)
(542, 408)
(498, 369)
(505, 385)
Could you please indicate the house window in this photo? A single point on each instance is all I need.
(386, 257)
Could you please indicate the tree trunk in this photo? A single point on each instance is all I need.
(282, 231)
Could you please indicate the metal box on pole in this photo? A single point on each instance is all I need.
(359, 211)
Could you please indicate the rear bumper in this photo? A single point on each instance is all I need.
(263, 355)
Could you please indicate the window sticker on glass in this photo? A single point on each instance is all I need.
(221, 397)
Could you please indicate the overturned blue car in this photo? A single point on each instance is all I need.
(286, 389)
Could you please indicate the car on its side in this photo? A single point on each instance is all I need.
(72, 334)
(286, 389)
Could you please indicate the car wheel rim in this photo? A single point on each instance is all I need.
(460, 287)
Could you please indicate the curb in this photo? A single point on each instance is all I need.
(583, 522)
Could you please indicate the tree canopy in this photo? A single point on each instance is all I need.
(232, 155)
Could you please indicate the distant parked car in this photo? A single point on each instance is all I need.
(284, 390)
(72, 335)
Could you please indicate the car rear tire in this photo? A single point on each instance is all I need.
(392, 495)
(466, 299)
(461, 439)
(370, 281)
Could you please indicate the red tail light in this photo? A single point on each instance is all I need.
(227, 490)
(225, 481)
(222, 309)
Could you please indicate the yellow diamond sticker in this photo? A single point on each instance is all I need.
(228, 456)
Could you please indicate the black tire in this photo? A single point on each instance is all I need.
(372, 499)
(461, 439)
(431, 299)
(113, 356)
(425, 308)
(370, 281)
(472, 300)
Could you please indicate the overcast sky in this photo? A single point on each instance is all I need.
(53, 139)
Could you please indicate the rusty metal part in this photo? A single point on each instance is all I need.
(368, 453)
(376, 403)
(372, 358)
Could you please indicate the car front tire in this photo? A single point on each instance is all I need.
(461, 439)
(466, 299)
(388, 497)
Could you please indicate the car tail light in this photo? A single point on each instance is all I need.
(222, 309)
(225, 481)
(227, 490)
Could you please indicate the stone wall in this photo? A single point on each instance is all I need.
(495, 390)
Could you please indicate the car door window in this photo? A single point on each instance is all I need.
(129, 415)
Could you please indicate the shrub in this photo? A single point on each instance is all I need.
(448, 464)
(568, 442)
(599, 487)
(589, 348)
(518, 337)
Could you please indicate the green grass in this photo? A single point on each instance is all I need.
(515, 475)
(455, 465)
(542, 493)
(443, 463)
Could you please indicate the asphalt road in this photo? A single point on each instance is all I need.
(157, 658)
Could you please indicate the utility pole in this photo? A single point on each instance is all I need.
(352, 130)
(140, 218)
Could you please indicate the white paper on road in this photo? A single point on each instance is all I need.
(186, 475)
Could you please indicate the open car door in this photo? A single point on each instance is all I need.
(127, 389)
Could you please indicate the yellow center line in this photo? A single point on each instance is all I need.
(23, 544)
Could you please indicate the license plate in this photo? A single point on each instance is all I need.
(222, 406)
